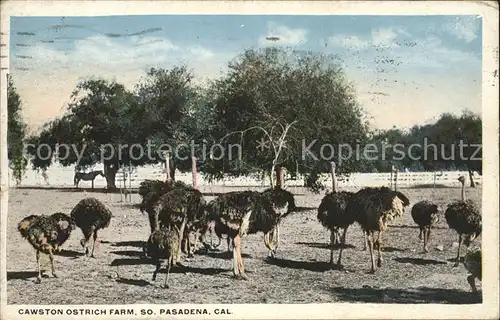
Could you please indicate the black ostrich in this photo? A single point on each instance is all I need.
(184, 209)
(332, 215)
(151, 192)
(373, 208)
(465, 218)
(46, 234)
(163, 244)
(90, 215)
(425, 214)
(239, 213)
(473, 264)
(282, 203)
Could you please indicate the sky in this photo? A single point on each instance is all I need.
(406, 70)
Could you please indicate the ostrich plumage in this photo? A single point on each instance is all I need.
(239, 213)
(425, 214)
(332, 215)
(373, 208)
(184, 209)
(473, 264)
(151, 192)
(46, 234)
(163, 244)
(90, 215)
(465, 218)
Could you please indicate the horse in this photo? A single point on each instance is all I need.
(90, 176)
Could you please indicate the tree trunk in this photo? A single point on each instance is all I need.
(110, 170)
(280, 177)
(172, 171)
(471, 177)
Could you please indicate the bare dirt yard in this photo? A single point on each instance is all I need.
(299, 274)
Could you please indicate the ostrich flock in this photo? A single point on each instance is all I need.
(180, 219)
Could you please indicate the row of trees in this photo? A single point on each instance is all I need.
(272, 103)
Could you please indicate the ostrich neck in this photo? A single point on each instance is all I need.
(334, 183)
(463, 192)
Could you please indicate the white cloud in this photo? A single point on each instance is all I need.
(286, 35)
(464, 27)
(53, 74)
(351, 42)
(383, 36)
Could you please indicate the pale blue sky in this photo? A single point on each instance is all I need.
(406, 69)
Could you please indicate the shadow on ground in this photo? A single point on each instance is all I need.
(317, 266)
(133, 282)
(325, 245)
(24, 275)
(128, 244)
(69, 253)
(413, 295)
(129, 253)
(226, 255)
(419, 261)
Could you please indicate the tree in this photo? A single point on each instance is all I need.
(98, 125)
(169, 100)
(16, 132)
(453, 142)
(274, 102)
(106, 122)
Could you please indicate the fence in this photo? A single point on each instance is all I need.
(60, 176)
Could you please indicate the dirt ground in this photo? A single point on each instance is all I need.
(299, 274)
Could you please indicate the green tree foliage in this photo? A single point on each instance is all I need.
(168, 101)
(99, 118)
(16, 132)
(276, 95)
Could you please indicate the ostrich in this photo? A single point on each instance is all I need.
(239, 213)
(46, 234)
(163, 244)
(464, 217)
(151, 191)
(90, 215)
(332, 214)
(473, 264)
(282, 203)
(373, 208)
(425, 215)
(181, 208)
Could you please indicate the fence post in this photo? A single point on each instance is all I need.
(195, 174)
(130, 181)
(392, 171)
(396, 180)
(166, 155)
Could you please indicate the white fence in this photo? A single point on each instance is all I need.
(59, 176)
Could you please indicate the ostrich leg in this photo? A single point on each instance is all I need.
(365, 238)
(93, 244)
(420, 234)
(332, 239)
(427, 235)
(239, 260)
(379, 249)
(169, 265)
(39, 278)
(369, 236)
(51, 256)
(276, 240)
(342, 246)
(181, 235)
(158, 266)
(472, 282)
(459, 247)
(153, 220)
